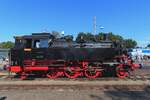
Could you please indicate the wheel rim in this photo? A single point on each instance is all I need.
(72, 72)
(92, 72)
(53, 74)
(121, 72)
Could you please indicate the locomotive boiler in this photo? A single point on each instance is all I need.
(51, 56)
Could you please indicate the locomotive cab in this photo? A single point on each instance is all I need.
(23, 47)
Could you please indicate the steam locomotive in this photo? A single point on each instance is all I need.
(52, 56)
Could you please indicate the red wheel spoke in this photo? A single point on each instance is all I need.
(121, 72)
(72, 72)
(53, 74)
(93, 72)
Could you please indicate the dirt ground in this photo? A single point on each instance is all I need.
(74, 93)
(75, 90)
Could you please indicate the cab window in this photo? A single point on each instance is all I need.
(28, 43)
(44, 43)
(36, 44)
(41, 43)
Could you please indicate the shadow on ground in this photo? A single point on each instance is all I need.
(124, 94)
(3, 98)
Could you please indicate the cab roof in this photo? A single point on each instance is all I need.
(35, 36)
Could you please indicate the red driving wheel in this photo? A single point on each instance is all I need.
(53, 74)
(72, 72)
(92, 72)
(121, 72)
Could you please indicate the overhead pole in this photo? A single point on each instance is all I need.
(94, 25)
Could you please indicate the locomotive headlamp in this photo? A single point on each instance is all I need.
(27, 49)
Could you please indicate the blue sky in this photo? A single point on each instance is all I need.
(129, 18)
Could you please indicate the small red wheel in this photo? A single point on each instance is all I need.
(121, 72)
(92, 72)
(72, 72)
(53, 74)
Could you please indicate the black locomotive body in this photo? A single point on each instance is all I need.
(46, 54)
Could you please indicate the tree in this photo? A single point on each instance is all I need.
(90, 37)
(101, 36)
(129, 43)
(6, 45)
(85, 36)
(80, 35)
(114, 37)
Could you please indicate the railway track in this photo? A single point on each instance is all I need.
(11, 77)
(75, 87)
(103, 83)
